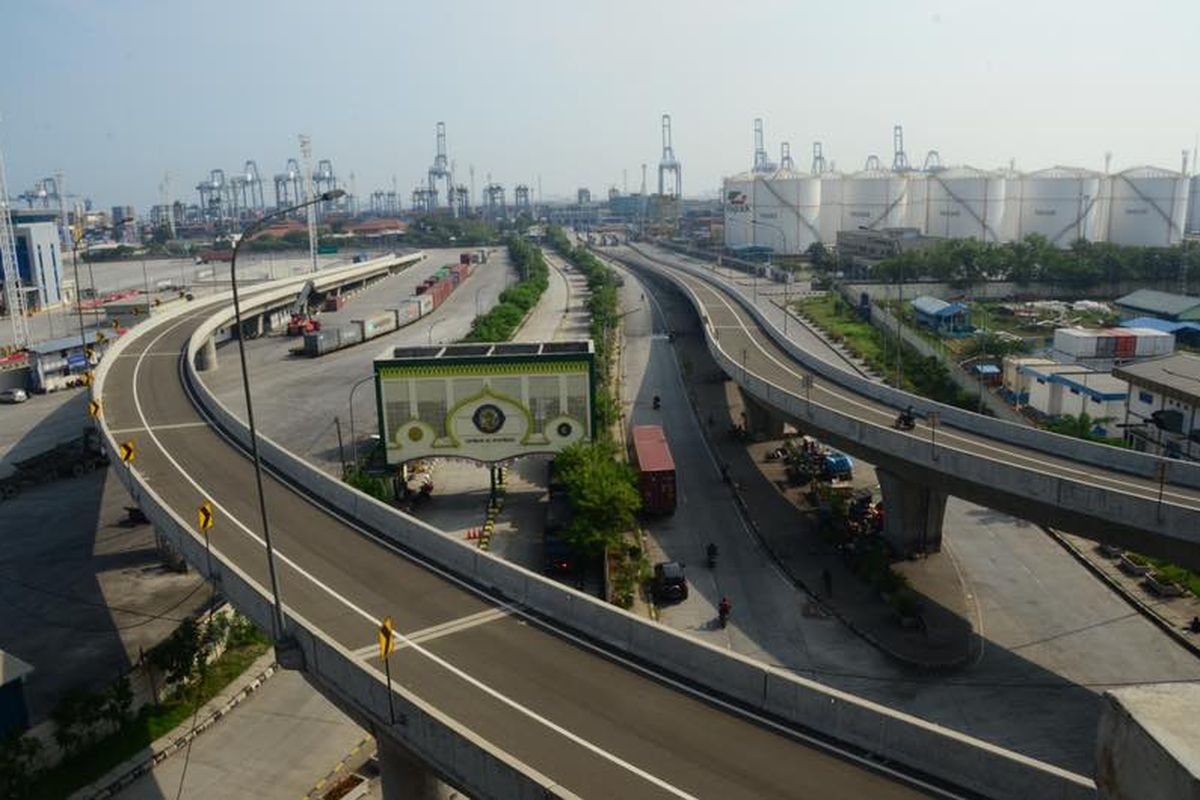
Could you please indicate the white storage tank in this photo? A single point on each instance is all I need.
(738, 201)
(1059, 203)
(874, 199)
(831, 206)
(1193, 217)
(787, 209)
(1148, 207)
(964, 202)
(917, 206)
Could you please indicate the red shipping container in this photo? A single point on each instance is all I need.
(1126, 344)
(656, 469)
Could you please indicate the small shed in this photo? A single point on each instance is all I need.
(943, 318)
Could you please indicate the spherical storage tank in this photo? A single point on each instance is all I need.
(787, 209)
(875, 199)
(1060, 203)
(1148, 207)
(738, 202)
(963, 202)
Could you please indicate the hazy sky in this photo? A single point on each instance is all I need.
(119, 92)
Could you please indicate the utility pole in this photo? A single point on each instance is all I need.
(13, 291)
(309, 192)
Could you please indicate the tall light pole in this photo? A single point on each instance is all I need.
(354, 441)
(255, 227)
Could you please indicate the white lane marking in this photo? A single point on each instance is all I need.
(174, 427)
(446, 665)
(1010, 455)
(444, 629)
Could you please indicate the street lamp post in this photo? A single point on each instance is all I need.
(783, 236)
(75, 242)
(277, 623)
(353, 440)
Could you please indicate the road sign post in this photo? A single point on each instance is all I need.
(205, 517)
(94, 409)
(387, 645)
(127, 451)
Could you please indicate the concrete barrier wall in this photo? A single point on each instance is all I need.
(1179, 472)
(994, 771)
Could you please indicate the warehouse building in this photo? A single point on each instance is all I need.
(1161, 413)
(1160, 305)
(943, 318)
(39, 258)
(1065, 390)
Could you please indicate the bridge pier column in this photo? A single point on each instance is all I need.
(762, 423)
(206, 356)
(913, 514)
(403, 776)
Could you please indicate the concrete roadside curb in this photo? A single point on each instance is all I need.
(1143, 608)
(121, 776)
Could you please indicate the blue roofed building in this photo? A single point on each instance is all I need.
(943, 318)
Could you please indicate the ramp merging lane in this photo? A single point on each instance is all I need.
(745, 342)
(598, 725)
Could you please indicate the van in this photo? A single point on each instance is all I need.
(13, 396)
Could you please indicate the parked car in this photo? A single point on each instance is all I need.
(670, 582)
(13, 396)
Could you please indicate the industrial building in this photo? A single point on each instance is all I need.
(788, 210)
(1161, 412)
(943, 318)
(39, 258)
(1161, 305)
(1067, 390)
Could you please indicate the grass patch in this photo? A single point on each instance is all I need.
(827, 312)
(151, 722)
(1184, 577)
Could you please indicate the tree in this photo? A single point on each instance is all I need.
(18, 764)
(603, 495)
(1083, 426)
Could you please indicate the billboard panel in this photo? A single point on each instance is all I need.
(488, 408)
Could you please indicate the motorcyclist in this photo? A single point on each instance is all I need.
(657, 402)
(906, 419)
(712, 554)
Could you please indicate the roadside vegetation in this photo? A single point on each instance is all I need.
(500, 323)
(963, 262)
(923, 375)
(96, 731)
(601, 486)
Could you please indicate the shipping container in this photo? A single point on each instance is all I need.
(425, 303)
(376, 325)
(656, 469)
(349, 334)
(464, 258)
(1125, 344)
(1075, 342)
(334, 302)
(407, 313)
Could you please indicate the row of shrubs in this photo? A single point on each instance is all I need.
(500, 323)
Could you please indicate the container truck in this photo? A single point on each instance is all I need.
(656, 469)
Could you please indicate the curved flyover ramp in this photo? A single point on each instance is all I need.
(1148, 504)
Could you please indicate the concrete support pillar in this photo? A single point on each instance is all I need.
(762, 423)
(258, 325)
(912, 514)
(405, 777)
(206, 356)
(1146, 747)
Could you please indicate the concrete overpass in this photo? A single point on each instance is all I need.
(1144, 503)
(505, 684)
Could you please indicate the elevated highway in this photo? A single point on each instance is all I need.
(1147, 504)
(505, 684)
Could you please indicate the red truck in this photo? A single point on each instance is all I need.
(656, 469)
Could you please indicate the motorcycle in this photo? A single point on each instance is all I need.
(723, 611)
(906, 421)
(657, 403)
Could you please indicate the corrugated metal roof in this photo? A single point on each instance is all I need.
(1178, 374)
(929, 305)
(1161, 325)
(1157, 302)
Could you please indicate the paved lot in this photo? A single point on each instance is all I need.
(275, 746)
(81, 594)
